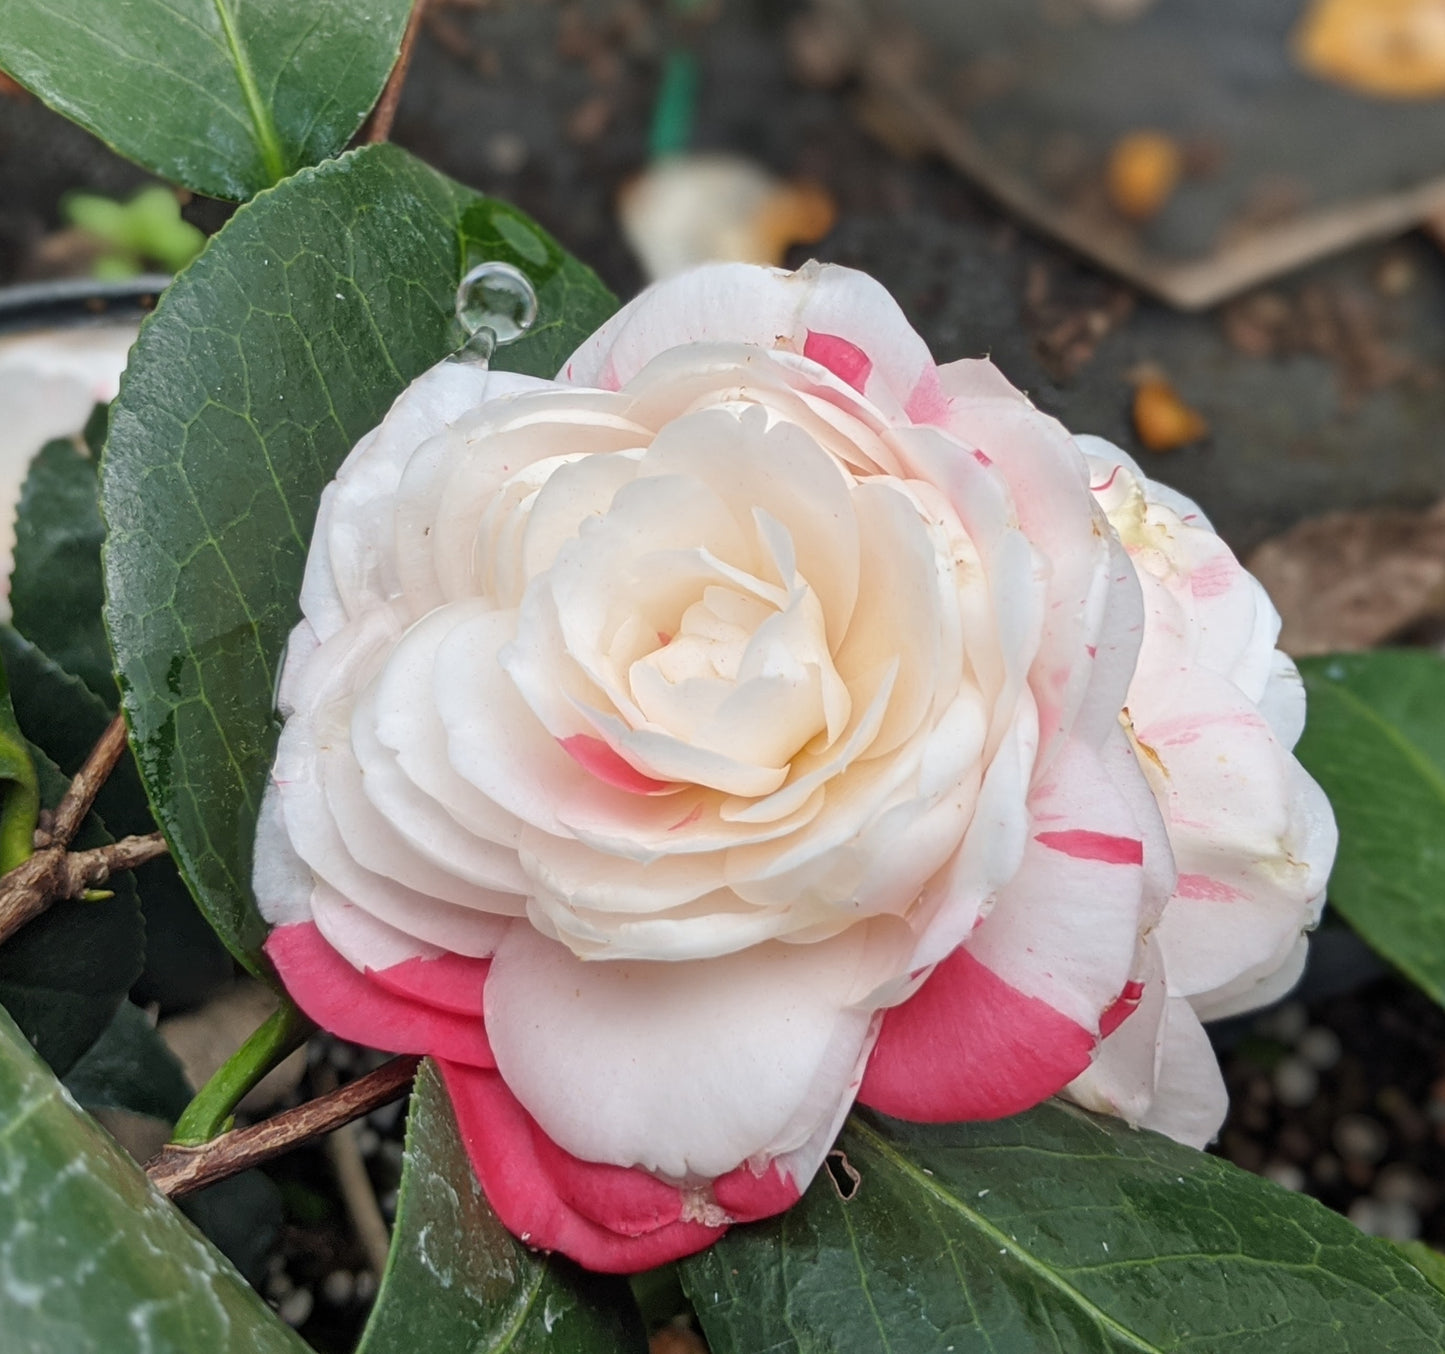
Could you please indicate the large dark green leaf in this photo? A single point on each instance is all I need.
(223, 96)
(56, 591)
(92, 1259)
(130, 1068)
(276, 350)
(1055, 1231)
(64, 975)
(183, 959)
(1375, 741)
(458, 1281)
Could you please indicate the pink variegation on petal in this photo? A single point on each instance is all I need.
(760, 717)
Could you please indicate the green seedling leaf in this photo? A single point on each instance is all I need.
(56, 591)
(92, 1259)
(220, 96)
(1375, 741)
(286, 340)
(457, 1280)
(1054, 1230)
(19, 789)
(148, 228)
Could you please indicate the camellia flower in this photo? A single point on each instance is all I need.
(760, 717)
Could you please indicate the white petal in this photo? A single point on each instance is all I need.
(685, 1069)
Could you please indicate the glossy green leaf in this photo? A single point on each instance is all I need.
(1054, 1231)
(184, 961)
(19, 789)
(225, 97)
(1375, 741)
(92, 1259)
(56, 591)
(263, 364)
(130, 1068)
(64, 974)
(458, 1281)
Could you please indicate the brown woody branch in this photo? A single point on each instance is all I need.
(181, 1170)
(80, 795)
(54, 873)
(378, 124)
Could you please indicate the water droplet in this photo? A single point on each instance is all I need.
(496, 305)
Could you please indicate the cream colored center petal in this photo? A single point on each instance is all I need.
(744, 678)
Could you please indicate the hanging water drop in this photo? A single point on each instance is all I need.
(496, 304)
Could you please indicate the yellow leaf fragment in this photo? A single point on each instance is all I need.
(1393, 49)
(1144, 170)
(1162, 420)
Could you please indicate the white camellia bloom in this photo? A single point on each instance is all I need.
(759, 717)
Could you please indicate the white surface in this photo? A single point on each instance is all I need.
(49, 382)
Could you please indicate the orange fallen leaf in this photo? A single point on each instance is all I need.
(1394, 49)
(1162, 420)
(1144, 170)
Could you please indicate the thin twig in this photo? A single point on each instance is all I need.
(75, 804)
(183, 1170)
(344, 1150)
(378, 124)
(55, 873)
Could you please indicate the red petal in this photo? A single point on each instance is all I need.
(966, 1045)
(350, 1004)
(607, 1218)
(847, 361)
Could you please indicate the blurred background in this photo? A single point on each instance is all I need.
(1209, 230)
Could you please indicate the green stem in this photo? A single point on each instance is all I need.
(676, 99)
(209, 1114)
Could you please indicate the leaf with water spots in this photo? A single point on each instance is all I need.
(224, 97)
(458, 1281)
(92, 1259)
(264, 363)
(1055, 1231)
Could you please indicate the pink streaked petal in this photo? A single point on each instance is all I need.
(845, 360)
(502, 1141)
(746, 1196)
(450, 982)
(347, 1003)
(1122, 1008)
(928, 403)
(621, 1198)
(1201, 888)
(1082, 844)
(593, 755)
(969, 1046)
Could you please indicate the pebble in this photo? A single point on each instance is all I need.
(367, 1141)
(339, 1287)
(296, 1308)
(1357, 1137)
(1326, 1169)
(1394, 1221)
(278, 1285)
(1399, 1183)
(1319, 1047)
(1285, 1023)
(365, 1285)
(1285, 1173)
(506, 152)
(385, 1119)
(1295, 1083)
